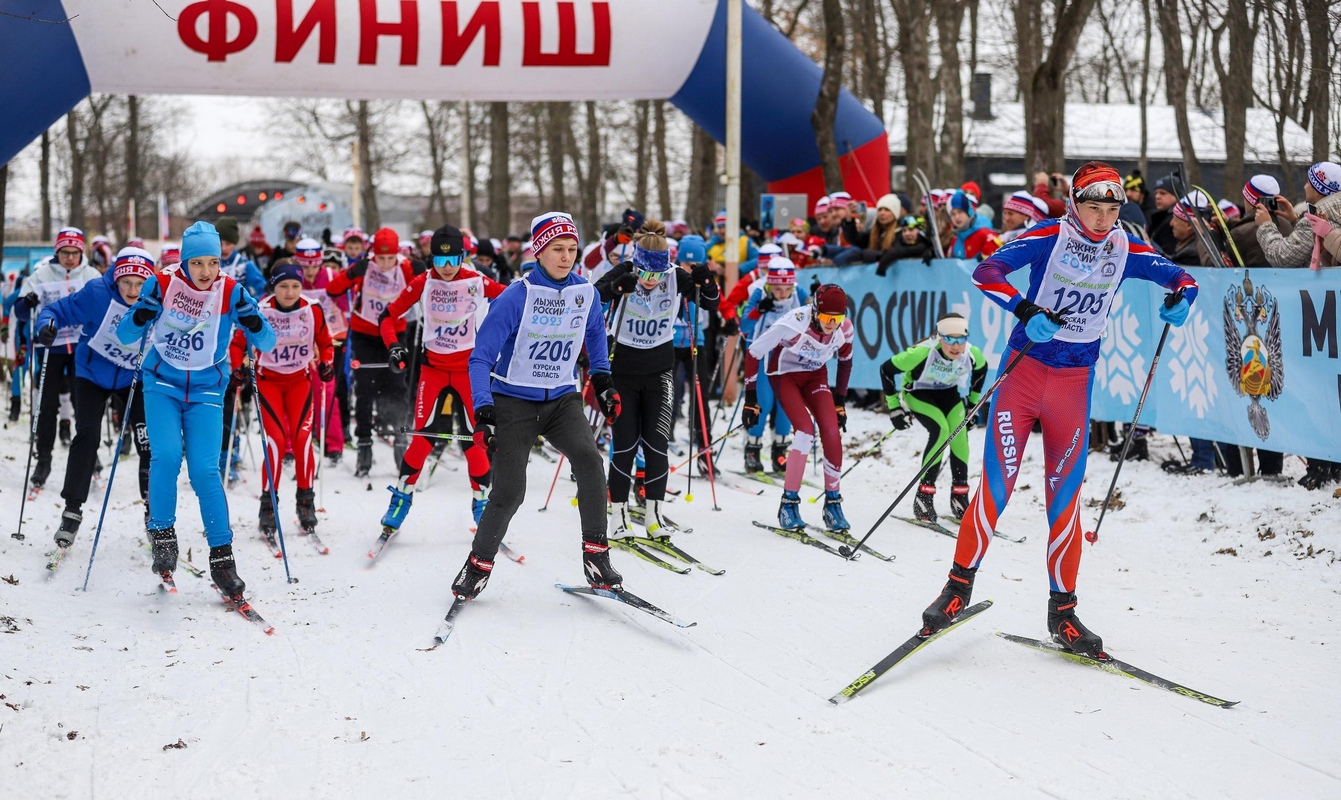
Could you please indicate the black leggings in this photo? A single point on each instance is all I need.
(374, 382)
(644, 419)
(90, 400)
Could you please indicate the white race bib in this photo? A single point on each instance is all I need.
(648, 316)
(550, 335)
(106, 345)
(294, 348)
(379, 289)
(51, 291)
(187, 331)
(336, 323)
(449, 309)
(939, 372)
(1080, 281)
(808, 351)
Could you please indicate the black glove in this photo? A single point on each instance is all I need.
(325, 371)
(242, 375)
(32, 300)
(47, 336)
(359, 268)
(765, 304)
(4, 332)
(882, 270)
(145, 313)
(626, 283)
(1027, 310)
(900, 418)
(251, 322)
(840, 408)
(730, 327)
(701, 275)
(484, 428)
(969, 415)
(749, 414)
(606, 396)
(927, 256)
(396, 357)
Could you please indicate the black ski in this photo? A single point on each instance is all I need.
(847, 539)
(449, 622)
(773, 480)
(800, 536)
(1113, 665)
(917, 642)
(624, 543)
(628, 599)
(665, 546)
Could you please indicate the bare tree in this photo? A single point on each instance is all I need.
(1235, 91)
(44, 179)
(73, 138)
(663, 169)
(642, 163)
(559, 132)
(1145, 87)
(1042, 76)
(133, 154)
(471, 216)
(1281, 90)
(1321, 63)
(500, 176)
(699, 209)
(949, 16)
(436, 119)
(914, 19)
(831, 84)
(874, 54)
(1175, 76)
(367, 187)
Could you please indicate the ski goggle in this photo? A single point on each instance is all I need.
(448, 261)
(954, 339)
(826, 318)
(650, 276)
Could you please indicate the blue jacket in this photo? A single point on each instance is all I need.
(86, 308)
(244, 272)
(198, 386)
(498, 334)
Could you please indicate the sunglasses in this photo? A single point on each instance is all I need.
(650, 276)
(954, 339)
(830, 319)
(448, 261)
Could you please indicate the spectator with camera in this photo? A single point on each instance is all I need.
(1286, 235)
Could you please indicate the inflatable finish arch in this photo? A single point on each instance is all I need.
(524, 50)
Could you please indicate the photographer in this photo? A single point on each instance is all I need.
(869, 246)
(1294, 247)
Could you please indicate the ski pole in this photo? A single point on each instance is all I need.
(267, 463)
(356, 364)
(619, 321)
(232, 431)
(698, 408)
(32, 437)
(869, 451)
(707, 448)
(730, 424)
(450, 437)
(851, 552)
(321, 457)
(111, 476)
(1169, 302)
(720, 363)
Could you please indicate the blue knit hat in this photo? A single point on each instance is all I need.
(201, 239)
(651, 260)
(693, 250)
(285, 272)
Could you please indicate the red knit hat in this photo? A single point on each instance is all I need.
(70, 237)
(830, 299)
(385, 242)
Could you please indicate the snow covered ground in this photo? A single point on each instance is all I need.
(125, 692)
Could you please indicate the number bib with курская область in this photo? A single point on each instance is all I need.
(1080, 281)
(293, 350)
(648, 316)
(550, 335)
(186, 332)
(449, 314)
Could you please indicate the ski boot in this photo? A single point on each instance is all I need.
(70, 520)
(334, 457)
(657, 525)
(224, 572)
(789, 512)
(307, 509)
(41, 471)
(365, 460)
(479, 500)
(778, 457)
(1070, 632)
(395, 515)
(267, 516)
(164, 543)
(15, 406)
(1316, 475)
(64, 432)
(596, 563)
(834, 518)
(959, 500)
(924, 505)
(753, 447)
(620, 524)
(953, 599)
(234, 464)
(472, 578)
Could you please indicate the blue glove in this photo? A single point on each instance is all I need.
(1176, 315)
(1041, 329)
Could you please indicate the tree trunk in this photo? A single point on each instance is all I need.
(469, 211)
(663, 169)
(874, 62)
(591, 196)
(1145, 89)
(1175, 77)
(76, 218)
(557, 134)
(699, 209)
(44, 179)
(642, 162)
(1321, 62)
(1235, 93)
(949, 16)
(914, 19)
(367, 188)
(4, 186)
(831, 83)
(749, 195)
(500, 179)
(1045, 100)
(133, 156)
(437, 162)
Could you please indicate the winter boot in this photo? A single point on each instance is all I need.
(778, 458)
(267, 515)
(789, 512)
(334, 457)
(953, 599)
(596, 563)
(479, 500)
(64, 432)
(834, 519)
(41, 471)
(472, 578)
(656, 524)
(164, 543)
(959, 500)
(224, 572)
(1140, 450)
(1070, 632)
(15, 406)
(1316, 475)
(307, 509)
(924, 505)
(620, 524)
(395, 515)
(753, 462)
(365, 459)
(69, 525)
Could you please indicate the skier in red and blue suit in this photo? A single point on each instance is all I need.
(1076, 265)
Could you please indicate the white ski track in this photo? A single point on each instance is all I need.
(587, 699)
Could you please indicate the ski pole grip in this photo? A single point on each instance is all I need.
(1173, 298)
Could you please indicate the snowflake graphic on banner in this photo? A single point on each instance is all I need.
(1121, 365)
(1191, 373)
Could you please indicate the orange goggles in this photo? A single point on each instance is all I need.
(830, 319)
